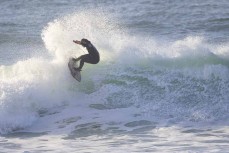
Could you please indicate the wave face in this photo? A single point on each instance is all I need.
(182, 80)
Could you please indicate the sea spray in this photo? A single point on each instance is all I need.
(175, 81)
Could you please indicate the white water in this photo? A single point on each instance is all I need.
(39, 83)
(140, 82)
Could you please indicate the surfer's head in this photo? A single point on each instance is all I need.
(85, 42)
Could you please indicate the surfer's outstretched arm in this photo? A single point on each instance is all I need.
(84, 42)
(77, 42)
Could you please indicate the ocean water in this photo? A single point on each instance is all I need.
(162, 84)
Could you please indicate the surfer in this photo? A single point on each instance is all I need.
(92, 57)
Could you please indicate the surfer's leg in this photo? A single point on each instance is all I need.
(83, 58)
(77, 59)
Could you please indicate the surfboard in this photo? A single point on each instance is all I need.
(71, 65)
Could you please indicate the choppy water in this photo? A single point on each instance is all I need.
(162, 84)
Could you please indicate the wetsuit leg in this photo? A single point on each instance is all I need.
(86, 58)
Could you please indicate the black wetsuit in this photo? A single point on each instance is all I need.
(92, 57)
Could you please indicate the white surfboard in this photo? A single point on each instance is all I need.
(71, 65)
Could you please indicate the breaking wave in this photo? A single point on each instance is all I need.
(176, 80)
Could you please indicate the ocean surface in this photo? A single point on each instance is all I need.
(162, 84)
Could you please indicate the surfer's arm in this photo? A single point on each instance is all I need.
(84, 43)
(77, 42)
(87, 44)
